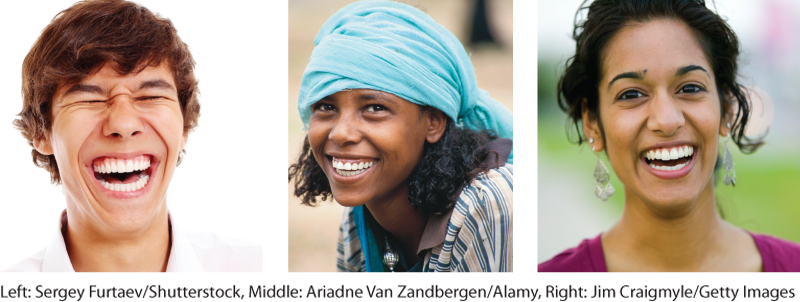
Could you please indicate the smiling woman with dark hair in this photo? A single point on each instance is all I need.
(399, 133)
(653, 84)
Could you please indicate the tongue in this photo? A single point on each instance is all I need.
(129, 178)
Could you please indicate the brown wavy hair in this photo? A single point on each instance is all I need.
(79, 41)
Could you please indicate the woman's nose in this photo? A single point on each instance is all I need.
(124, 120)
(345, 131)
(666, 116)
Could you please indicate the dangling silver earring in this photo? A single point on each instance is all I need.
(727, 162)
(603, 188)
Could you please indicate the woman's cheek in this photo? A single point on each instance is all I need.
(316, 139)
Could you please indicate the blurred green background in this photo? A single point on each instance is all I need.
(765, 199)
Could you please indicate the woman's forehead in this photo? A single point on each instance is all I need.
(661, 46)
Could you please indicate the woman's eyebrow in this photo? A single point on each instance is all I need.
(689, 68)
(636, 75)
(376, 96)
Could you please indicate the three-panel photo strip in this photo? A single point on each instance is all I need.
(653, 136)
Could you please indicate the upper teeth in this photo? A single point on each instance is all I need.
(112, 165)
(352, 166)
(669, 153)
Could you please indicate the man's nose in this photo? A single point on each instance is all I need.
(124, 120)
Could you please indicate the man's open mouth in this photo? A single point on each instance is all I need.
(123, 175)
(669, 159)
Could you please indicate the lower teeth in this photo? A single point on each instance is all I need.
(349, 173)
(669, 168)
(129, 187)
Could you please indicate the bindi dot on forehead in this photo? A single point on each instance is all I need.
(645, 70)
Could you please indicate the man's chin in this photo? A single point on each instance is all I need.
(128, 211)
(127, 216)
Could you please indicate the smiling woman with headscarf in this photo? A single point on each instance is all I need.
(400, 134)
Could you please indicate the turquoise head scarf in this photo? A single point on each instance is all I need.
(396, 48)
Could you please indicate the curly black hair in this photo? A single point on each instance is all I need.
(434, 185)
(606, 17)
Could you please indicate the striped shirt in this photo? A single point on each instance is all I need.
(478, 234)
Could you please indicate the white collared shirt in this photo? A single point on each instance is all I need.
(190, 252)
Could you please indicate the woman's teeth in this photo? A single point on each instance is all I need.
(350, 169)
(669, 168)
(110, 165)
(666, 154)
(129, 187)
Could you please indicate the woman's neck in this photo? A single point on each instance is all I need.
(396, 215)
(93, 250)
(690, 238)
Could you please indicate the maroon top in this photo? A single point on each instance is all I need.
(777, 255)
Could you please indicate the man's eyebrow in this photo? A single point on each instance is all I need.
(689, 68)
(627, 75)
(84, 88)
(156, 84)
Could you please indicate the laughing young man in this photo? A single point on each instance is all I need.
(109, 99)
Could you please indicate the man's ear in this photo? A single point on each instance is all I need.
(185, 139)
(182, 151)
(43, 145)
(436, 126)
(591, 127)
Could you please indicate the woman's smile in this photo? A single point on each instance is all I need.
(669, 162)
(660, 113)
(368, 143)
(349, 168)
(655, 83)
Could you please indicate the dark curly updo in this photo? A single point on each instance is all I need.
(444, 168)
(606, 17)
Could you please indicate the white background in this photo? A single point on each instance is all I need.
(224, 184)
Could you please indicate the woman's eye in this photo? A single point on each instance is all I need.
(630, 94)
(150, 98)
(691, 89)
(375, 108)
(324, 107)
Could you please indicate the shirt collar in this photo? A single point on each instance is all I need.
(435, 231)
(182, 257)
(55, 257)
